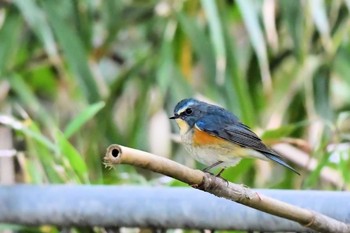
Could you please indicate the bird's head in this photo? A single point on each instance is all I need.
(187, 112)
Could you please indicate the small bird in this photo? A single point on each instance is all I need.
(216, 137)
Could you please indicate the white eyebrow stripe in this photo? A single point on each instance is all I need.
(181, 110)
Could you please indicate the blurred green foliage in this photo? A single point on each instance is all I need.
(76, 76)
(80, 75)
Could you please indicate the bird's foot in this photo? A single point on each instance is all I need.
(220, 172)
(222, 178)
(208, 172)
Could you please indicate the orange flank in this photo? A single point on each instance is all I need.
(201, 138)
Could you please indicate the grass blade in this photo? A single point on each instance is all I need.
(9, 37)
(217, 38)
(251, 20)
(294, 17)
(319, 15)
(37, 21)
(76, 161)
(200, 43)
(74, 52)
(239, 98)
(82, 118)
(28, 98)
(29, 129)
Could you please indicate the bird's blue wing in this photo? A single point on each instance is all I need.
(233, 131)
(240, 134)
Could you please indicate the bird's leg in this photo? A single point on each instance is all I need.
(212, 166)
(219, 175)
(207, 171)
(221, 171)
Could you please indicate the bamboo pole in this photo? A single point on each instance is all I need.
(117, 154)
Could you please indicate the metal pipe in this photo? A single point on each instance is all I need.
(159, 207)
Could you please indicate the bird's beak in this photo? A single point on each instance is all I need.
(174, 117)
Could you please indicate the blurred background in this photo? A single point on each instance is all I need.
(77, 76)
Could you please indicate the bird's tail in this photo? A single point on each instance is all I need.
(280, 161)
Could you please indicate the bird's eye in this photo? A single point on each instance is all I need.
(188, 111)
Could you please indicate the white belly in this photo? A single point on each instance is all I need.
(229, 154)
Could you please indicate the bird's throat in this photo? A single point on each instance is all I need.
(183, 126)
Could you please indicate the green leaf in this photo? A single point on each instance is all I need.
(74, 52)
(82, 118)
(290, 78)
(9, 37)
(314, 176)
(319, 15)
(239, 97)
(34, 133)
(36, 20)
(256, 36)
(294, 18)
(239, 173)
(28, 98)
(166, 60)
(38, 145)
(41, 167)
(321, 87)
(76, 161)
(344, 165)
(217, 37)
(29, 129)
(200, 43)
(283, 131)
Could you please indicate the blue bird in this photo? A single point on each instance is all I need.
(216, 137)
